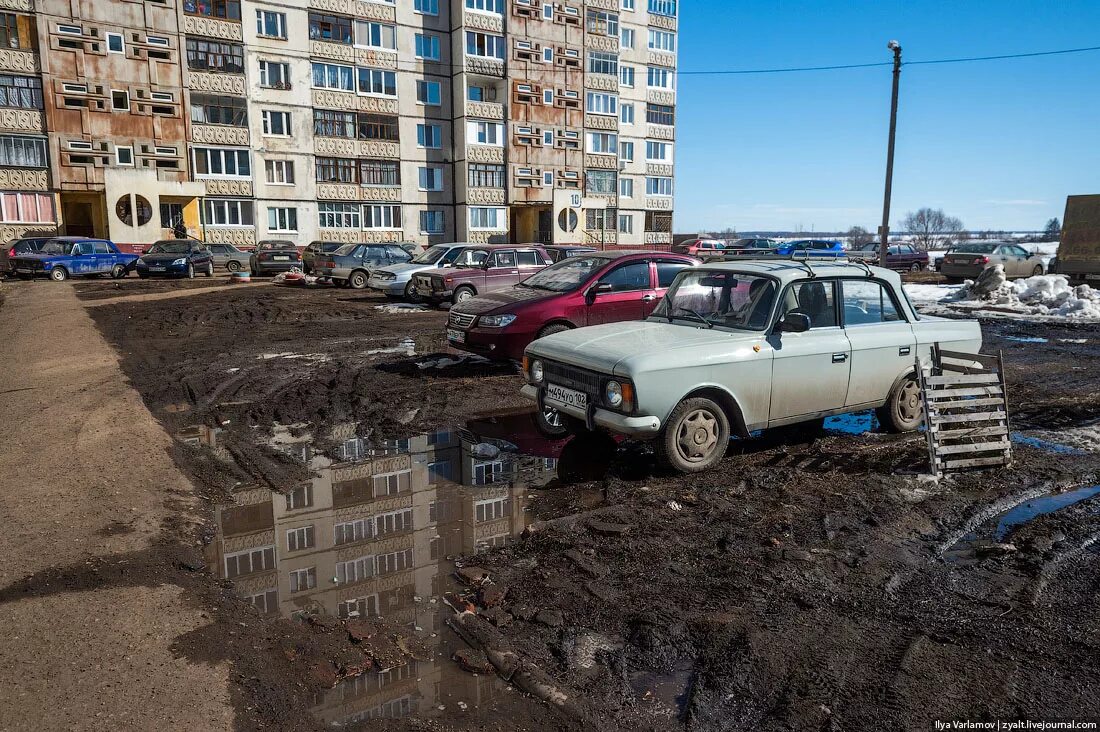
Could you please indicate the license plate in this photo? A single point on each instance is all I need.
(456, 335)
(568, 397)
(281, 258)
(156, 269)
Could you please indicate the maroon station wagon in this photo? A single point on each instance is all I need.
(589, 289)
(480, 269)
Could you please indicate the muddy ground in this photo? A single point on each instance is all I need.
(814, 581)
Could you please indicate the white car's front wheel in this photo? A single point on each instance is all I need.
(695, 437)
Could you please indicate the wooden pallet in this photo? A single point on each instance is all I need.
(966, 411)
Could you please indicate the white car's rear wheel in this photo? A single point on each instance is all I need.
(695, 437)
(904, 409)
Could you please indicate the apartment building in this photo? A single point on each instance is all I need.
(339, 120)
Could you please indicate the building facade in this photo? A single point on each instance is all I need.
(339, 120)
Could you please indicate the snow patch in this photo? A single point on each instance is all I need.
(447, 361)
(1041, 296)
(401, 307)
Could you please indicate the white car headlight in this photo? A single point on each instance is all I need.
(613, 393)
(536, 371)
(181, 260)
(496, 321)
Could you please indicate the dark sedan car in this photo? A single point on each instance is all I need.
(175, 258)
(315, 250)
(273, 256)
(604, 287)
(26, 245)
(898, 256)
(229, 257)
(351, 265)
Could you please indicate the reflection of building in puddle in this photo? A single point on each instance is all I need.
(369, 535)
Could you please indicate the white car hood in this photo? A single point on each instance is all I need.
(604, 347)
(407, 269)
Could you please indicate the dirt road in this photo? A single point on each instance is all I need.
(86, 596)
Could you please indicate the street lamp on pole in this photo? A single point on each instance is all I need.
(884, 230)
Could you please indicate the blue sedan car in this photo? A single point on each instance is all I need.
(73, 256)
(811, 248)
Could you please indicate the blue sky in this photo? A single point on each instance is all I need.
(999, 144)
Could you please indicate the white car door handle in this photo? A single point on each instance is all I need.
(840, 357)
(904, 351)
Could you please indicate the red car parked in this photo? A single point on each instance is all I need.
(602, 287)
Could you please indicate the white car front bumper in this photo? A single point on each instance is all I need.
(622, 424)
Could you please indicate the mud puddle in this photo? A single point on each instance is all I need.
(989, 537)
(375, 534)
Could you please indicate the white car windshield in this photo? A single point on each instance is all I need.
(430, 255)
(566, 275)
(725, 299)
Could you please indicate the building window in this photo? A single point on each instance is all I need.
(476, 93)
(394, 561)
(548, 97)
(333, 76)
(660, 114)
(353, 531)
(301, 497)
(658, 186)
(227, 9)
(491, 510)
(486, 6)
(431, 222)
(249, 561)
(215, 56)
(393, 522)
(603, 63)
(431, 179)
(207, 109)
(370, 126)
(604, 143)
(658, 152)
(27, 208)
(548, 11)
(120, 99)
(370, 34)
(626, 76)
(628, 4)
(282, 219)
(602, 103)
(626, 187)
(602, 23)
(271, 24)
(331, 123)
(427, 47)
(602, 219)
(548, 138)
(124, 156)
(663, 7)
(626, 38)
(20, 92)
(660, 40)
(337, 170)
(9, 30)
(303, 579)
(626, 224)
(355, 570)
(484, 45)
(339, 215)
(626, 151)
(428, 92)
(486, 175)
(228, 213)
(115, 43)
(378, 82)
(331, 28)
(548, 178)
(276, 124)
(626, 114)
(659, 78)
(380, 172)
(279, 172)
(601, 181)
(299, 539)
(426, 7)
(17, 151)
(429, 136)
(218, 162)
(381, 216)
(482, 217)
(274, 75)
(485, 133)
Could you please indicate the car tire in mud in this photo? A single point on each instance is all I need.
(1037, 271)
(695, 437)
(462, 293)
(410, 293)
(357, 280)
(916, 267)
(210, 268)
(232, 266)
(118, 272)
(59, 274)
(904, 408)
(190, 271)
(552, 329)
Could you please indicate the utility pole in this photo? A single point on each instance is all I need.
(884, 230)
